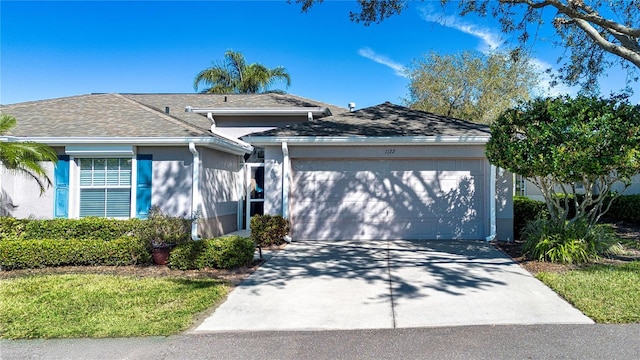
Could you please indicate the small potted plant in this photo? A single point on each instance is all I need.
(163, 232)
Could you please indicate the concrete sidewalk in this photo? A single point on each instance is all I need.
(388, 284)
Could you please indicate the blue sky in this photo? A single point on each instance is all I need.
(54, 49)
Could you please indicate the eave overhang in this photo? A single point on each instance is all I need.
(236, 147)
(366, 141)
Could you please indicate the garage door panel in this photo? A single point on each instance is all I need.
(387, 199)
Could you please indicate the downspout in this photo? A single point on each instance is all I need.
(492, 204)
(195, 191)
(286, 168)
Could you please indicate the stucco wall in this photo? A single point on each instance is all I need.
(171, 183)
(504, 205)
(21, 195)
(221, 190)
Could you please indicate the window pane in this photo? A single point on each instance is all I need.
(99, 164)
(125, 164)
(92, 202)
(113, 164)
(99, 177)
(125, 178)
(118, 202)
(85, 164)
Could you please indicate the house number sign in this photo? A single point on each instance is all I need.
(389, 151)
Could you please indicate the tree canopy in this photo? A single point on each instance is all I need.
(235, 76)
(23, 158)
(568, 146)
(470, 85)
(595, 33)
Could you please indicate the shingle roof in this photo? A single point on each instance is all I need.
(134, 115)
(384, 120)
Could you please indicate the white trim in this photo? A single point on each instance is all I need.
(364, 140)
(286, 169)
(74, 189)
(492, 204)
(99, 150)
(219, 142)
(195, 190)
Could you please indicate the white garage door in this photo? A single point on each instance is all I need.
(387, 199)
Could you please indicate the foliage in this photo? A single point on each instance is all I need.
(526, 210)
(571, 244)
(24, 158)
(85, 228)
(160, 229)
(626, 208)
(579, 25)
(469, 85)
(267, 230)
(25, 254)
(605, 293)
(235, 76)
(87, 305)
(221, 253)
(563, 144)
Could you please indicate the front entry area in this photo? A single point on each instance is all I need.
(365, 199)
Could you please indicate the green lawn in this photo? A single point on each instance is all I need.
(605, 293)
(65, 306)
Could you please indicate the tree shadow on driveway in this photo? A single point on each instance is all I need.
(407, 267)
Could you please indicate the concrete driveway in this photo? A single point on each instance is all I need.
(388, 284)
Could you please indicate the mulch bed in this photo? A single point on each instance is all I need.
(625, 231)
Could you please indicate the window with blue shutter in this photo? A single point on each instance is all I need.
(61, 187)
(105, 187)
(143, 185)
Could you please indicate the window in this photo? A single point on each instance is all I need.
(105, 187)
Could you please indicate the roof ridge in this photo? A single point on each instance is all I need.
(54, 100)
(163, 115)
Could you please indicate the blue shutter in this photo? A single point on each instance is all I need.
(61, 187)
(143, 185)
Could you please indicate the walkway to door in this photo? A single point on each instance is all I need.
(388, 284)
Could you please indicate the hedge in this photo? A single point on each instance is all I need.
(220, 253)
(524, 211)
(23, 254)
(85, 228)
(625, 208)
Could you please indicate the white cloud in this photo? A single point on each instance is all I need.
(399, 69)
(541, 67)
(490, 39)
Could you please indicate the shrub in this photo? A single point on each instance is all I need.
(85, 228)
(267, 230)
(625, 208)
(572, 243)
(160, 229)
(27, 253)
(526, 210)
(220, 253)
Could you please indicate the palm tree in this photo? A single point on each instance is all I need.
(24, 158)
(234, 76)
